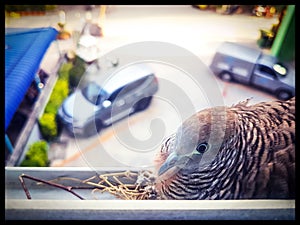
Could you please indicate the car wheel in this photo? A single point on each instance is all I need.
(92, 128)
(283, 95)
(89, 129)
(226, 76)
(142, 104)
(99, 126)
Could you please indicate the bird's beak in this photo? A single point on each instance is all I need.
(176, 162)
(172, 164)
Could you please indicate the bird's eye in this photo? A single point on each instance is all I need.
(201, 148)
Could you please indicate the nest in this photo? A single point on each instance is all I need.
(127, 185)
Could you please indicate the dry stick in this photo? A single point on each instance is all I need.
(116, 188)
(130, 191)
(98, 190)
(121, 183)
(101, 184)
(124, 193)
(66, 188)
(69, 178)
(121, 190)
(107, 181)
(91, 178)
(124, 186)
(65, 178)
(24, 186)
(97, 185)
(127, 174)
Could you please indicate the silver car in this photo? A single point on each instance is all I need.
(250, 66)
(106, 100)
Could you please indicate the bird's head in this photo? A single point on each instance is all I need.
(197, 141)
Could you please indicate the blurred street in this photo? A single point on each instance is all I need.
(194, 31)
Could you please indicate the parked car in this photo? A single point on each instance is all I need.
(107, 99)
(250, 66)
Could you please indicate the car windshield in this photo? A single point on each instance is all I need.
(93, 93)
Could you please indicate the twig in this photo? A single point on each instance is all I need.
(66, 188)
(112, 183)
(24, 186)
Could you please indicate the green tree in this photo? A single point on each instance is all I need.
(37, 155)
(48, 126)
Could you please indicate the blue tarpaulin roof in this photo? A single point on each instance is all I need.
(24, 51)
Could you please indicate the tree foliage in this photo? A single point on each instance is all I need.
(37, 155)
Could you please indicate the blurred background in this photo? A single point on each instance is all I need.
(85, 33)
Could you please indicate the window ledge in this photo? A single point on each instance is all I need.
(53, 203)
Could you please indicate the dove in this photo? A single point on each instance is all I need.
(238, 152)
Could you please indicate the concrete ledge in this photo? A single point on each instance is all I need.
(51, 203)
(150, 209)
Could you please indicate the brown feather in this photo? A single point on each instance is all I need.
(251, 155)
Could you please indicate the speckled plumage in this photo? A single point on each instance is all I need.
(249, 154)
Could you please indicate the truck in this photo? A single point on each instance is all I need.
(250, 66)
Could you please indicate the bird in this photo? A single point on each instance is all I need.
(230, 152)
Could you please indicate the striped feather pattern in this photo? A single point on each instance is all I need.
(256, 159)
